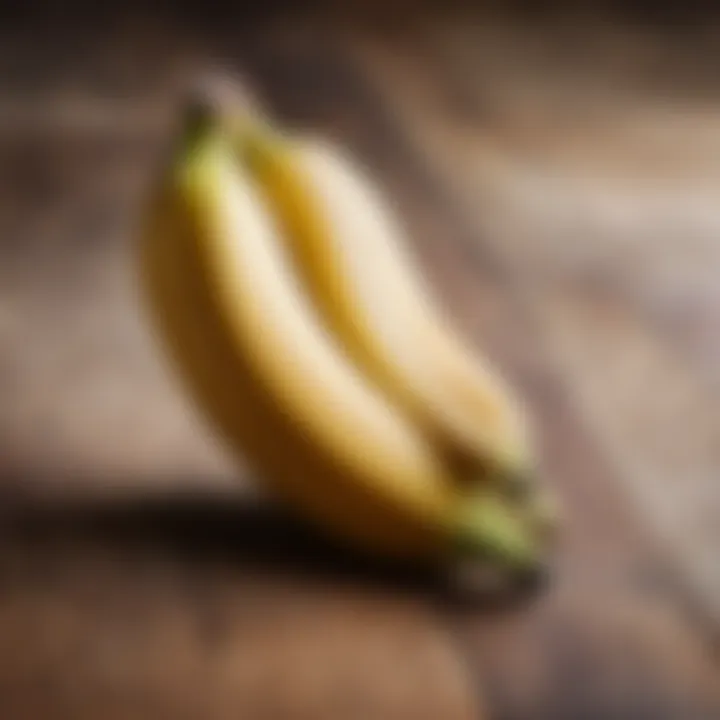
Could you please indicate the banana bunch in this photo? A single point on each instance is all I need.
(279, 283)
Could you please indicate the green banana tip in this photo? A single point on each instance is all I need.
(489, 530)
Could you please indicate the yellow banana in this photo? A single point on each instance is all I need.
(259, 364)
(349, 247)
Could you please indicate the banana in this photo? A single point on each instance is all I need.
(256, 358)
(349, 246)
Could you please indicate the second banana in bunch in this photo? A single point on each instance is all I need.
(280, 282)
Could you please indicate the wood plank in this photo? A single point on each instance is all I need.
(188, 606)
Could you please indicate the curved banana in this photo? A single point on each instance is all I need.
(350, 249)
(260, 365)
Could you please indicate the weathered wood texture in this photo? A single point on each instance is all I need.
(558, 186)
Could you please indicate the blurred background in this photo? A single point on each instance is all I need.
(558, 168)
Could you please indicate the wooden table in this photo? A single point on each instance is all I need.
(560, 186)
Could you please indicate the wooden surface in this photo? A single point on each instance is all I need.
(559, 184)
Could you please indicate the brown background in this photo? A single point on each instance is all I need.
(559, 174)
